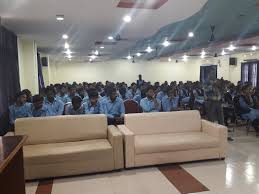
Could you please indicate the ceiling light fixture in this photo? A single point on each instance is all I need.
(166, 43)
(101, 47)
(93, 57)
(129, 57)
(223, 52)
(69, 56)
(110, 38)
(96, 52)
(191, 34)
(127, 19)
(138, 54)
(231, 47)
(65, 36)
(68, 52)
(169, 59)
(60, 17)
(149, 49)
(66, 45)
(185, 58)
(253, 48)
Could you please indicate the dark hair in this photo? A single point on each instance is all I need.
(27, 92)
(19, 94)
(76, 99)
(110, 90)
(37, 98)
(49, 89)
(92, 93)
(149, 88)
(245, 87)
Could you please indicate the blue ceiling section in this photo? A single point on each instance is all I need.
(233, 20)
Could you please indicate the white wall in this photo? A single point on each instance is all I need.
(28, 68)
(123, 70)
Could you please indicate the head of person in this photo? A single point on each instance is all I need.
(150, 92)
(72, 90)
(133, 86)
(93, 96)
(28, 95)
(21, 98)
(122, 91)
(246, 90)
(37, 101)
(76, 102)
(112, 93)
(140, 77)
(50, 94)
(63, 90)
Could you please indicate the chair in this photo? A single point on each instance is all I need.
(131, 106)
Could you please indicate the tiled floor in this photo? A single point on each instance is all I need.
(238, 174)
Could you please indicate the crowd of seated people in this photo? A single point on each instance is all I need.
(214, 99)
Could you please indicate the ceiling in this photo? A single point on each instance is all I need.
(89, 21)
(234, 20)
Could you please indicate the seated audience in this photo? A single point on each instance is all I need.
(62, 95)
(71, 93)
(28, 95)
(76, 107)
(54, 106)
(150, 103)
(113, 107)
(170, 101)
(20, 108)
(38, 108)
(93, 105)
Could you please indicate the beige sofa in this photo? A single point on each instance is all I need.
(69, 145)
(158, 138)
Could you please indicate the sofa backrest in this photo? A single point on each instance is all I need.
(62, 129)
(163, 122)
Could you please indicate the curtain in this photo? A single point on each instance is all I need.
(9, 74)
(250, 73)
(40, 74)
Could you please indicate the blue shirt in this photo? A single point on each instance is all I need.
(71, 111)
(130, 94)
(170, 104)
(68, 98)
(43, 112)
(90, 109)
(149, 105)
(16, 112)
(63, 98)
(160, 95)
(112, 109)
(55, 108)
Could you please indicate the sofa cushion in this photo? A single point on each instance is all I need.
(61, 129)
(164, 122)
(68, 152)
(146, 144)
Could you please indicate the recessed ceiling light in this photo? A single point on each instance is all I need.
(203, 53)
(169, 59)
(69, 56)
(68, 52)
(251, 54)
(166, 43)
(129, 57)
(110, 38)
(65, 36)
(101, 47)
(253, 48)
(127, 19)
(93, 57)
(231, 47)
(138, 54)
(191, 34)
(90, 60)
(96, 52)
(149, 49)
(223, 52)
(60, 17)
(66, 45)
(185, 57)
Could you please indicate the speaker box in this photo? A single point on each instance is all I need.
(232, 61)
(44, 61)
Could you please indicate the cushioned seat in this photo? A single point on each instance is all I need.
(67, 152)
(157, 143)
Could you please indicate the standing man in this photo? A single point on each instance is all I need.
(140, 81)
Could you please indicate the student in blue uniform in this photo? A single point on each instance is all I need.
(71, 93)
(93, 105)
(76, 107)
(150, 103)
(62, 94)
(113, 107)
(170, 101)
(38, 109)
(20, 109)
(133, 92)
(53, 105)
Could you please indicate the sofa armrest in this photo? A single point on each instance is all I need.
(129, 146)
(115, 139)
(218, 131)
(9, 134)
